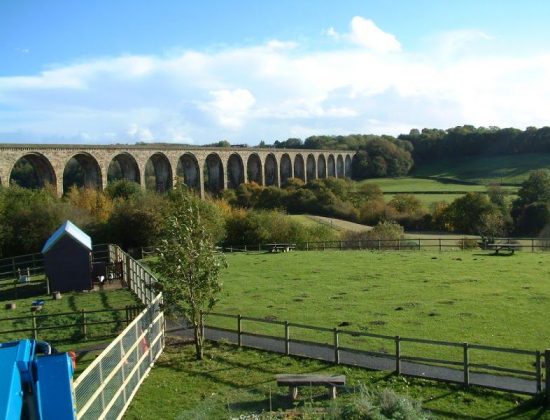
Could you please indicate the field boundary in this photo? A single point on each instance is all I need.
(78, 320)
(405, 244)
(502, 378)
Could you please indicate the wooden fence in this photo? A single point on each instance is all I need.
(405, 244)
(79, 324)
(9, 267)
(325, 344)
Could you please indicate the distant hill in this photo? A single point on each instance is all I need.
(506, 169)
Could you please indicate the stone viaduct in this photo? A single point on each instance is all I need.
(200, 168)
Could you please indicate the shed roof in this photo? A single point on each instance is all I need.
(68, 228)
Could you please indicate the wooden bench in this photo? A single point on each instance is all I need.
(295, 381)
(511, 248)
(280, 247)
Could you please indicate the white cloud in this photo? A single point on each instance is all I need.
(230, 106)
(364, 32)
(275, 90)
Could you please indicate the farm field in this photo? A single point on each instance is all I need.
(465, 296)
(509, 169)
(428, 191)
(232, 381)
(419, 185)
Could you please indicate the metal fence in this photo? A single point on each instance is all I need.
(106, 388)
(516, 370)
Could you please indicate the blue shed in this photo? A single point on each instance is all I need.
(68, 259)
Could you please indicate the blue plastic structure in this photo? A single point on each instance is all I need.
(35, 384)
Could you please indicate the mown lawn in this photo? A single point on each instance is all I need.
(418, 185)
(464, 296)
(232, 381)
(513, 169)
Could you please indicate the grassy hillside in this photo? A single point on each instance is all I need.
(420, 185)
(428, 191)
(512, 169)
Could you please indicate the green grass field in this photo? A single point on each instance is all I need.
(58, 332)
(419, 185)
(510, 169)
(453, 296)
(428, 191)
(231, 382)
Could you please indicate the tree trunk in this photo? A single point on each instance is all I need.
(198, 341)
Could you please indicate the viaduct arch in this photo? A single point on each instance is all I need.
(161, 167)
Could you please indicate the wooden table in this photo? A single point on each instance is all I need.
(281, 247)
(503, 247)
(295, 381)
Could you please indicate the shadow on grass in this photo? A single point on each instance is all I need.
(223, 374)
(22, 291)
(534, 405)
(494, 254)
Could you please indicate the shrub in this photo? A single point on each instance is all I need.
(379, 405)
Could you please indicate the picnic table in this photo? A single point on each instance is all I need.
(280, 247)
(497, 247)
(295, 381)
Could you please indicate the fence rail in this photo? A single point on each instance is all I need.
(402, 361)
(434, 244)
(106, 388)
(9, 267)
(77, 322)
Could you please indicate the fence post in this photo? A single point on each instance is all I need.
(122, 355)
(419, 244)
(101, 381)
(547, 375)
(532, 245)
(13, 267)
(128, 274)
(239, 331)
(307, 246)
(462, 244)
(287, 338)
(84, 329)
(336, 347)
(360, 245)
(439, 244)
(34, 330)
(379, 245)
(245, 248)
(466, 365)
(538, 370)
(397, 354)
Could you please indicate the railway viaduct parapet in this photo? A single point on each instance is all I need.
(161, 167)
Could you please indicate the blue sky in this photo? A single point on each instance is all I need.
(198, 72)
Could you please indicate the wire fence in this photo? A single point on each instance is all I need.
(106, 388)
(505, 369)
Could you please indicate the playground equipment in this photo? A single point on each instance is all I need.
(36, 382)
